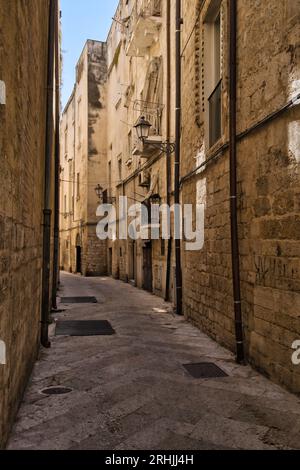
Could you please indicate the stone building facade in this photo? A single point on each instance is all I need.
(141, 78)
(268, 79)
(84, 164)
(23, 49)
(140, 57)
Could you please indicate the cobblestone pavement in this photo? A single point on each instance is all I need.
(130, 391)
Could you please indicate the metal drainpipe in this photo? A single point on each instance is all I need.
(177, 154)
(47, 195)
(169, 155)
(57, 169)
(233, 187)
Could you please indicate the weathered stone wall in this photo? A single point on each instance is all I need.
(67, 185)
(269, 186)
(268, 183)
(83, 163)
(23, 67)
(97, 151)
(96, 263)
(137, 82)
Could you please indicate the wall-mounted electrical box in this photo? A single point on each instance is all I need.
(2, 93)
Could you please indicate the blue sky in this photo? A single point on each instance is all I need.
(82, 20)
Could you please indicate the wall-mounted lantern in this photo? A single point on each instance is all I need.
(143, 130)
(99, 193)
(155, 199)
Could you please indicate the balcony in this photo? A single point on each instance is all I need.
(143, 27)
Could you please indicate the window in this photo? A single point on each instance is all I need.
(66, 142)
(109, 178)
(213, 73)
(129, 143)
(78, 186)
(65, 205)
(105, 196)
(217, 46)
(79, 123)
(215, 111)
(120, 168)
(73, 111)
(73, 140)
(79, 136)
(162, 247)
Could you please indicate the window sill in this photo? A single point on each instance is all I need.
(215, 147)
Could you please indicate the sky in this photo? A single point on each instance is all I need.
(82, 20)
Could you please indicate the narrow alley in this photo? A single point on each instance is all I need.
(149, 230)
(130, 390)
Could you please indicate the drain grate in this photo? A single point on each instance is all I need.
(204, 370)
(84, 328)
(56, 391)
(78, 300)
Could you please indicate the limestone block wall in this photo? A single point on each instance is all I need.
(138, 85)
(269, 179)
(96, 260)
(268, 183)
(83, 163)
(23, 66)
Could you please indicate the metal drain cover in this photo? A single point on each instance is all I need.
(78, 300)
(56, 391)
(84, 328)
(205, 370)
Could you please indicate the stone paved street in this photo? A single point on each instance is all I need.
(130, 391)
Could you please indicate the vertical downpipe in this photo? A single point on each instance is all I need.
(57, 168)
(233, 187)
(169, 155)
(178, 279)
(47, 199)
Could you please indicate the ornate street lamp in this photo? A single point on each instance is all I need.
(99, 192)
(143, 129)
(155, 199)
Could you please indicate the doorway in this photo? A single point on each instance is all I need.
(147, 267)
(78, 260)
(110, 262)
(132, 263)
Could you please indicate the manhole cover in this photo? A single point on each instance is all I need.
(204, 370)
(84, 328)
(56, 391)
(78, 300)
